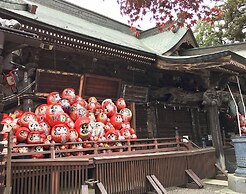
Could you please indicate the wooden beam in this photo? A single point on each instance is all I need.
(221, 170)
(159, 184)
(153, 184)
(161, 64)
(84, 189)
(194, 177)
(101, 188)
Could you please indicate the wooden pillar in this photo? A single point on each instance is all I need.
(132, 107)
(194, 125)
(151, 120)
(28, 102)
(1, 115)
(212, 101)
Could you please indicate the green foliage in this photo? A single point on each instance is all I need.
(230, 27)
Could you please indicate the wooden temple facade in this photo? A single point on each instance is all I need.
(169, 82)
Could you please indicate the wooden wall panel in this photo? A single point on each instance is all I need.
(49, 81)
(135, 93)
(170, 117)
(101, 87)
(203, 123)
(141, 121)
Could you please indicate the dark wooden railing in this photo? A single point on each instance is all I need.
(120, 169)
(48, 176)
(127, 174)
(101, 148)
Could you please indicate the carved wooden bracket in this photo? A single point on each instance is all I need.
(215, 98)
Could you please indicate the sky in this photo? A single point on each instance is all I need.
(109, 8)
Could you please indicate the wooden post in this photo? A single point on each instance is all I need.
(156, 144)
(8, 183)
(212, 101)
(52, 150)
(55, 181)
(195, 127)
(152, 120)
(177, 138)
(8, 173)
(132, 107)
(129, 146)
(28, 102)
(95, 148)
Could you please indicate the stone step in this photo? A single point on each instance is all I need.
(215, 182)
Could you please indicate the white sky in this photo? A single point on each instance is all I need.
(109, 8)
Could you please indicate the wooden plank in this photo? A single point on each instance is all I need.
(1, 149)
(221, 170)
(101, 188)
(153, 184)
(135, 93)
(1, 157)
(1, 116)
(133, 109)
(1, 79)
(100, 86)
(2, 166)
(1, 135)
(2, 189)
(1, 107)
(1, 179)
(159, 184)
(194, 177)
(48, 81)
(81, 85)
(84, 189)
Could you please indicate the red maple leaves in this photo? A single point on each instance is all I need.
(169, 13)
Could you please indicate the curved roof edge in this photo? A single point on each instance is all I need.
(203, 57)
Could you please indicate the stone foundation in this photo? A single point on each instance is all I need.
(237, 183)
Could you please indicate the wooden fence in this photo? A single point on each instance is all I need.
(101, 148)
(127, 174)
(48, 176)
(121, 169)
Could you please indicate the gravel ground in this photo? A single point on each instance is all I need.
(208, 189)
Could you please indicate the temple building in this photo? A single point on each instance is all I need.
(170, 83)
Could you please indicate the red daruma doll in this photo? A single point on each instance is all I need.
(60, 133)
(69, 93)
(34, 137)
(126, 114)
(109, 108)
(116, 121)
(22, 134)
(82, 127)
(120, 103)
(53, 98)
(27, 118)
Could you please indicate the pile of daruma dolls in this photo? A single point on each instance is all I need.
(69, 118)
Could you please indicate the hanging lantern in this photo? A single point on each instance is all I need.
(10, 79)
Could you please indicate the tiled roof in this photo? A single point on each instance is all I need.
(87, 23)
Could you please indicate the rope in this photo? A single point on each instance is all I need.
(13, 96)
(238, 121)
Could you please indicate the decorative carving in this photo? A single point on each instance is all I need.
(177, 96)
(215, 98)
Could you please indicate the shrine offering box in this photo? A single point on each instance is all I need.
(101, 87)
